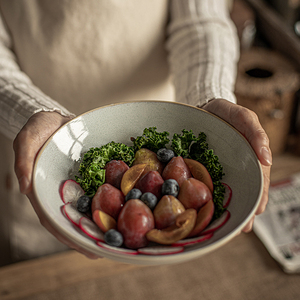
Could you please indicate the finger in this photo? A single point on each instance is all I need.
(30, 140)
(259, 141)
(249, 226)
(265, 195)
(26, 148)
(255, 135)
(264, 199)
(247, 123)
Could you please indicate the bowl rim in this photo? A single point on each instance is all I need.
(147, 259)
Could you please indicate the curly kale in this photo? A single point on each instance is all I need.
(209, 160)
(181, 143)
(151, 139)
(91, 169)
(218, 197)
(188, 145)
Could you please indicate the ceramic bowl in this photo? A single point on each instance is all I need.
(59, 158)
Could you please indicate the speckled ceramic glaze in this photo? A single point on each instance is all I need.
(58, 161)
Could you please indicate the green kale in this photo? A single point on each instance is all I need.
(209, 160)
(189, 146)
(181, 143)
(151, 139)
(91, 169)
(218, 197)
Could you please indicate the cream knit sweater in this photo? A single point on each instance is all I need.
(71, 56)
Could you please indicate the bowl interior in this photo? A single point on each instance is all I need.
(58, 161)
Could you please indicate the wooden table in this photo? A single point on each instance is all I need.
(242, 269)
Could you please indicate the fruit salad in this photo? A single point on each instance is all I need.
(154, 197)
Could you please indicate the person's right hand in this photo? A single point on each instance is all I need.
(27, 144)
(247, 123)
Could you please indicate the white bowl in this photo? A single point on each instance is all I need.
(58, 161)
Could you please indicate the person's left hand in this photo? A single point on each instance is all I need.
(247, 123)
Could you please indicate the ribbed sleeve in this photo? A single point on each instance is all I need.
(19, 98)
(203, 50)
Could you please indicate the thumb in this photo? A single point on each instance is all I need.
(26, 147)
(29, 141)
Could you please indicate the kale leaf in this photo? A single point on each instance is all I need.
(91, 169)
(188, 145)
(208, 159)
(181, 143)
(218, 197)
(151, 139)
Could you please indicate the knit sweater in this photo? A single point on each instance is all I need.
(70, 56)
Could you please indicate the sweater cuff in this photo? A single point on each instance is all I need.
(21, 101)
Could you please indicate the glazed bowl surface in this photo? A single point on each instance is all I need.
(59, 160)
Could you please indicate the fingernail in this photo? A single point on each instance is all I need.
(266, 155)
(23, 184)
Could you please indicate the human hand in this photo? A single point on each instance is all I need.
(26, 145)
(247, 123)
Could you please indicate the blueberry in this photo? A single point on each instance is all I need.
(113, 237)
(165, 155)
(133, 194)
(149, 199)
(170, 187)
(84, 204)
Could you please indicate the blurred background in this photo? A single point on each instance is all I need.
(268, 73)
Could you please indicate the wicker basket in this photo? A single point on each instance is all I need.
(267, 83)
